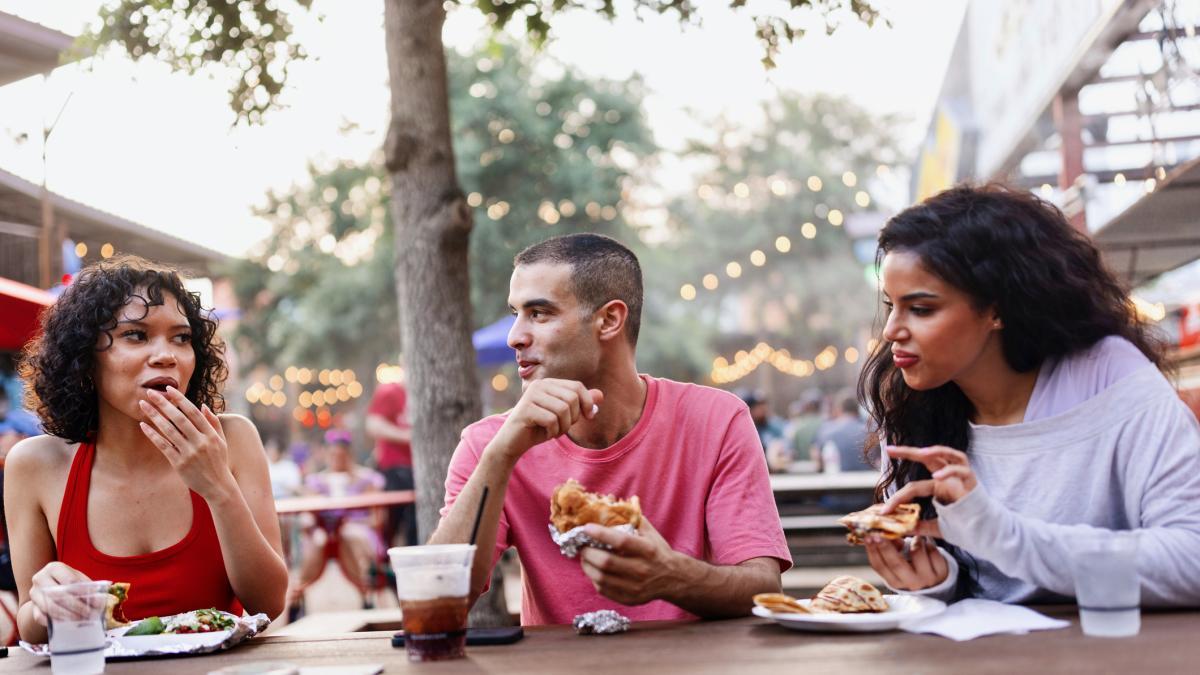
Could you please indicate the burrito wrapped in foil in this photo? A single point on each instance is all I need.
(600, 622)
(572, 540)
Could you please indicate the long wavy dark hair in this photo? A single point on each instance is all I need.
(1007, 249)
(59, 363)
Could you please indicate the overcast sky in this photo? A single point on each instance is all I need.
(158, 147)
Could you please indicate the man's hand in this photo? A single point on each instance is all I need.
(547, 409)
(638, 569)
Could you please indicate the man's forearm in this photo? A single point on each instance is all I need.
(721, 591)
(493, 471)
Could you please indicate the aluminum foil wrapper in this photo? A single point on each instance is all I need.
(572, 540)
(600, 622)
(121, 647)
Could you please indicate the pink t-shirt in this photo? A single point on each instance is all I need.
(693, 459)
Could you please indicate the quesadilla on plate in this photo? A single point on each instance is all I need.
(848, 595)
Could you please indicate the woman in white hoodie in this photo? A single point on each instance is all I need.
(1021, 401)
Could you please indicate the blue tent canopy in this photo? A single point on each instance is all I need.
(491, 343)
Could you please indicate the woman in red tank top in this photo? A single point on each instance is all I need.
(139, 480)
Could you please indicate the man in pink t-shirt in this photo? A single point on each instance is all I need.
(711, 537)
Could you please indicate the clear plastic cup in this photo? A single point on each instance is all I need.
(433, 584)
(1107, 589)
(76, 627)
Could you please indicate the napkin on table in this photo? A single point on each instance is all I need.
(975, 617)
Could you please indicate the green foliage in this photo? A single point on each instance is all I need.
(321, 290)
(755, 191)
(253, 39)
(539, 157)
(525, 144)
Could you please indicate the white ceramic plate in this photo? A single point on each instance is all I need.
(901, 608)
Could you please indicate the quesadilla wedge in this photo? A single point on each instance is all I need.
(849, 595)
(895, 525)
(780, 603)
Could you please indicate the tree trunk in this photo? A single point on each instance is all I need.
(433, 228)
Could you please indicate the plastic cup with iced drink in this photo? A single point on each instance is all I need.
(433, 584)
(76, 626)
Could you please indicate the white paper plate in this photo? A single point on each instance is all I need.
(901, 608)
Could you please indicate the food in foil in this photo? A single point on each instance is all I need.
(600, 622)
(572, 540)
(572, 507)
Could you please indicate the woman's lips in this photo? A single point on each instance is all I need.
(904, 360)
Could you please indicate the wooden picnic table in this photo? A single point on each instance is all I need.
(1167, 643)
(320, 503)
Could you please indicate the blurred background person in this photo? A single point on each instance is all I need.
(286, 479)
(387, 424)
(804, 420)
(358, 529)
(15, 423)
(772, 431)
(839, 442)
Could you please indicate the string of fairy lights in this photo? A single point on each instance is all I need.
(313, 393)
(746, 362)
(780, 186)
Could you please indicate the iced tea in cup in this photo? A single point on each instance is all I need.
(434, 587)
(76, 626)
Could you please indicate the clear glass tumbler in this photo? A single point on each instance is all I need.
(1107, 589)
(76, 627)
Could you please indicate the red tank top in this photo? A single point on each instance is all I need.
(189, 574)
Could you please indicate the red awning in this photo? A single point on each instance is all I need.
(20, 306)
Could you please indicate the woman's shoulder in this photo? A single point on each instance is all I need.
(235, 423)
(1080, 376)
(241, 437)
(40, 456)
(1110, 359)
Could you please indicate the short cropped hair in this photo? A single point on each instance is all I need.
(602, 269)
(59, 363)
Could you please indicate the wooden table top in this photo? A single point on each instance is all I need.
(323, 503)
(1167, 643)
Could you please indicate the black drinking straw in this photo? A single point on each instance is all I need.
(479, 514)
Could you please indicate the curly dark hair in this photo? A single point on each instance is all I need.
(1007, 249)
(58, 364)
